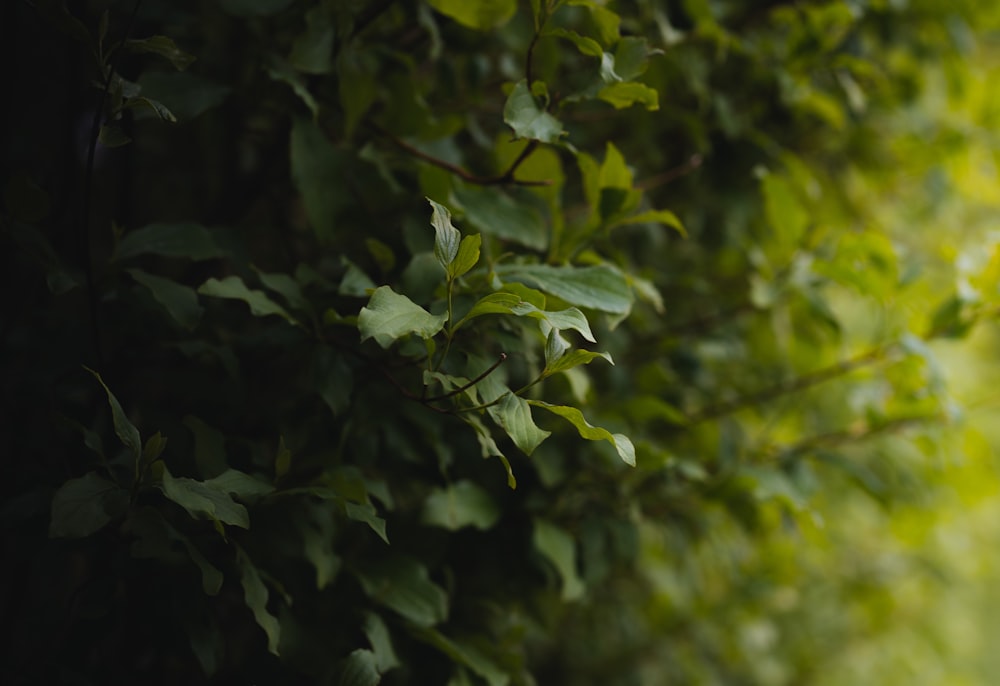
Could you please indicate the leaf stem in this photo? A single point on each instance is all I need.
(492, 368)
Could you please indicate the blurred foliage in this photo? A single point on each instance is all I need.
(551, 342)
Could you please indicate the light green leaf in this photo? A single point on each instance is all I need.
(185, 239)
(555, 347)
(784, 210)
(625, 94)
(559, 548)
(614, 171)
(494, 303)
(85, 505)
(202, 501)
(233, 288)
(124, 429)
(402, 584)
(390, 316)
(575, 359)
(588, 46)
(606, 22)
(477, 14)
(460, 505)
(446, 236)
(381, 641)
(513, 415)
(360, 668)
(162, 46)
(499, 213)
(467, 257)
(665, 217)
(622, 443)
(522, 113)
(255, 595)
(179, 300)
(597, 287)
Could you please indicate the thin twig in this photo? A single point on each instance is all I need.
(795, 385)
(502, 179)
(662, 179)
(445, 396)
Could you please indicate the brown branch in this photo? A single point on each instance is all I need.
(673, 174)
(850, 435)
(445, 396)
(502, 179)
(795, 385)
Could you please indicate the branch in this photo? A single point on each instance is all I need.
(502, 179)
(673, 174)
(795, 385)
(851, 435)
(444, 396)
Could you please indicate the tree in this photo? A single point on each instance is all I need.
(494, 342)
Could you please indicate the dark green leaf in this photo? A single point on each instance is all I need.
(233, 288)
(559, 548)
(381, 641)
(189, 240)
(403, 584)
(360, 669)
(319, 171)
(179, 300)
(255, 595)
(498, 213)
(164, 47)
(84, 506)
(124, 429)
(203, 501)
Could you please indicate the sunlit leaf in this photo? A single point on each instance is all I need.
(477, 14)
(623, 445)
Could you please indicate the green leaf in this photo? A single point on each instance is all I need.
(180, 301)
(555, 347)
(360, 668)
(446, 236)
(390, 316)
(558, 547)
(254, 8)
(155, 538)
(381, 641)
(402, 584)
(285, 286)
(622, 444)
(513, 415)
(464, 653)
(203, 501)
(597, 287)
(588, 46)
(785, 212)
(575, 359)
(189, 240)
(209, 447)
(240, 485)
(162, 46)
(366, 514)
(233, 288)
(467, 257)
(497, 212)
(665, 217)
(85, 505)
(625, 94)
(255, 595)
(312, 51)
(319, 170)
(460, 505)
(112, 136)
(477, 14)
(632, 57)
(188, 95)
(522, 113)
(488, 447)
(124, 429)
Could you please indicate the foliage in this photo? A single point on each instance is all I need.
(467, 342)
